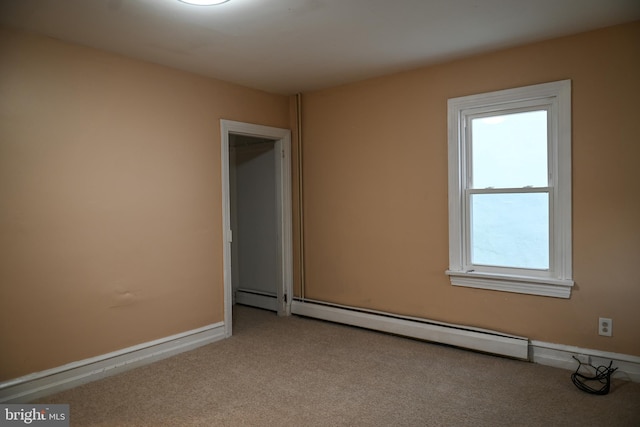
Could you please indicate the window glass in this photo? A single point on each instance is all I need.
(510, 230)
(509, 151)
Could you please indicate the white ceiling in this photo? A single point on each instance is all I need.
(289, 46)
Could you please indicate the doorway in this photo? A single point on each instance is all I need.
(256, 187)
(252, 208)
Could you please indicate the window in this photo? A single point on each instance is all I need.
(510, 190)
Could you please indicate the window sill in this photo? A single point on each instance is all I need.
(547, 287)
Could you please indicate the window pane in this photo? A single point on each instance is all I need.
(510, 151)
(510, 230)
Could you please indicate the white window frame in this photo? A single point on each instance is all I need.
(555, 97)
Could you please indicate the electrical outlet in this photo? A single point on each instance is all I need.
(605, 326)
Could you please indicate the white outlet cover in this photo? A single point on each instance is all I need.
(605, 326)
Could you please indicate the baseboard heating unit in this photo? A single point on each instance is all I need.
(456, 335)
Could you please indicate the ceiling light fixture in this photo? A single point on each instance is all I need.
(204, 2)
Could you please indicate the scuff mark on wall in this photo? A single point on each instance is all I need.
(124, 297)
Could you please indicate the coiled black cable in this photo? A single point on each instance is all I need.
(602, 377)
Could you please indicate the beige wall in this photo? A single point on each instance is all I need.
(375, 191)
(110, 208)
(110, 200)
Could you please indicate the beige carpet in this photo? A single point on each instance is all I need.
(303, 372)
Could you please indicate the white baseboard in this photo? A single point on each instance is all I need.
(257, 299)
(561, 356)
(39, 384)
(459, 336)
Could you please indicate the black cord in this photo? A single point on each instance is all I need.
(602, 376)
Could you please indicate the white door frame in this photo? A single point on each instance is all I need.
(282, 139)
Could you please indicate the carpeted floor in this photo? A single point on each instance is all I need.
(302, 372)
